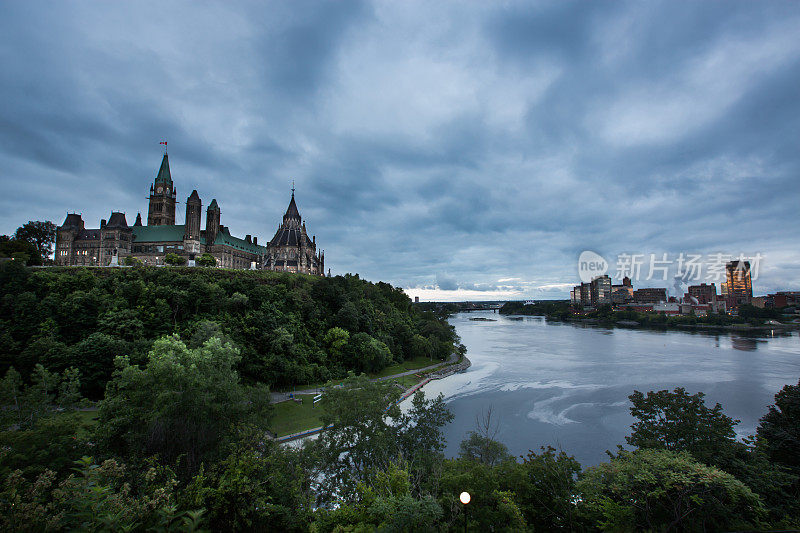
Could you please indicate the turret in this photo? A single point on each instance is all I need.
(115, 238)
(213, 215)
(193, 213)
(65, 236)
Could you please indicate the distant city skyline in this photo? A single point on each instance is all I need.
(462, 151)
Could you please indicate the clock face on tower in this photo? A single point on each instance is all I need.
(158, 189)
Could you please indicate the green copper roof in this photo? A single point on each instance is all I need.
(224, 237)
(145, 234)
(163, 173)
(158, 233)
(213, 204)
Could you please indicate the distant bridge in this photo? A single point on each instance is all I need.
(481, 307)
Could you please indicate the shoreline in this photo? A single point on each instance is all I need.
(632, 324)
(447, 371)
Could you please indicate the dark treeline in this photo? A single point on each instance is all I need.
(562, 310)
(291, 329)
(554, 309)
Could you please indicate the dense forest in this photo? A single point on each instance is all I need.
(291, 329)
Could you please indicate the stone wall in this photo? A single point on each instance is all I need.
(452, 369)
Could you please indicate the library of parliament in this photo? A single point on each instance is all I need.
(290, 250)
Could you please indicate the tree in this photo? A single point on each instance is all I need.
(491, 506)
(259, 486)
(367, 353)
(661, 490)
(362, 438)
(184, 406)
(680, 421)
(24, 405)
(386, 503)
(40, 234)
(206, 260)
(335, 340)
(54, 444)
(369, 432)
(544, 486)
(779, 431)
(174, 259)
(22, 251)
(97, 497)
(480, 445)
(132, 261)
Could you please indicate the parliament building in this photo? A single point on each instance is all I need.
(290, 250)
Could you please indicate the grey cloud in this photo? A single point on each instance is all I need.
(521, 133)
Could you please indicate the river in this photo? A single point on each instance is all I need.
(566, 385)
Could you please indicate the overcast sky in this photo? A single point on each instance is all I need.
(459, 150)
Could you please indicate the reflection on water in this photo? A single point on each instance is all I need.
(747, 344)
(566, 385)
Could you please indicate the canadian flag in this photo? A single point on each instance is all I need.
(163, 142)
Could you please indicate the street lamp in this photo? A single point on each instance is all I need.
(464, 497)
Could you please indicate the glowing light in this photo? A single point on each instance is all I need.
(464, 498)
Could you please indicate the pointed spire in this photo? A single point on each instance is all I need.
(292, 211)
(163, 172)
(213, 205)
(138, 220)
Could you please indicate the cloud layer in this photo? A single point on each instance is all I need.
(457, 150)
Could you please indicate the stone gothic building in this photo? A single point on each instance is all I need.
(291, 250)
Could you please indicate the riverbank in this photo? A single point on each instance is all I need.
(673, 326)
(306, 421)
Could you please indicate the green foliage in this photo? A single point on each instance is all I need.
(206, 260)
(24, 405)
(257, 487)
(542, 308)
(680, 421)
(491, 504)
(335, 341)
(40, 234)
(544, 486)
(183, 406)
(747, 312)
(369, 432)
(364, 353)
(779, 430)
(480, 448)
(280, 321)
(53, 445)
(22, 251)
(132, 261)
(652, 490)
(96, 498)
(174, 259)
(386, 503)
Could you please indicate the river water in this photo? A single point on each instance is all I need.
(566, 385)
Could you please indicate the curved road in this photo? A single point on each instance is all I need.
(281, 396)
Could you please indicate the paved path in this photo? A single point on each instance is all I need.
(281, 396)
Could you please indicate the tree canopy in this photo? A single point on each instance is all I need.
(291, 329)
(41, 234)
(183, 406)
